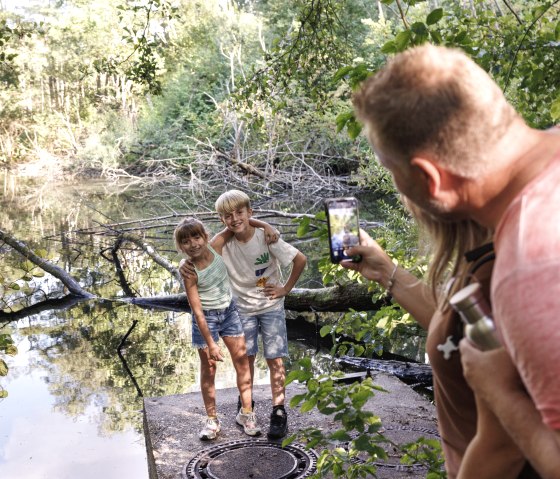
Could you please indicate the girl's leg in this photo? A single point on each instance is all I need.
(238, 352)
(207, 378)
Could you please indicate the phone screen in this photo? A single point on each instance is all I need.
(344, 227)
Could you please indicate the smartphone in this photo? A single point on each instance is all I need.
(344, 227)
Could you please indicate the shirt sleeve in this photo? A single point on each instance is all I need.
(527, 311)
(283, 252)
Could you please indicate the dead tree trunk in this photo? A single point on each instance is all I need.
(68, 281)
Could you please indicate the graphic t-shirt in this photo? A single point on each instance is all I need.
(526, 288)
(253, 265)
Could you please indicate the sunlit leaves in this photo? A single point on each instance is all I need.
(359, 434)
(555, 110)
(427, 452)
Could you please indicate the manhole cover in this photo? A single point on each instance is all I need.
(252, 459)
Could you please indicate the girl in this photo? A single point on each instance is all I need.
(215, 315)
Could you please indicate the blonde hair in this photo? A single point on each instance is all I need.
(437, 100)
(232, 200)
(187, 228)
(448, 242)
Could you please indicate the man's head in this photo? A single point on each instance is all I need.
(433, 102)
(234, 208)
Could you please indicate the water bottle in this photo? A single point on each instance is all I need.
(475, 312)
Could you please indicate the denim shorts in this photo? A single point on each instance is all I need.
(272, 326)
(221, 322)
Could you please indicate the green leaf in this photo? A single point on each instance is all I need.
(340, 435)
(402, 40)
(555, 109)
(360, 398)
(11, 350)
(303, 228)
(419, 28)
(309, 404)
(342, 72)
(325, 330)
(434, 16)
(389, 47)
(354, 129)
(296, 400)
(557, 31)
(3, 368)
(343, 119)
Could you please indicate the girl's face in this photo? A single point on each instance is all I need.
(194, 246)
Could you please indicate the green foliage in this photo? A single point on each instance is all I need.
(427, 452)
(359, 435)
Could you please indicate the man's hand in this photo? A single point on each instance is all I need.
(186, 268)
(489, 372)
(375, 263)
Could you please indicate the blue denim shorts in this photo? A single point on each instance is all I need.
(272, 326)
(221, 322)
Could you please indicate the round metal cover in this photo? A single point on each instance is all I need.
(254, 459)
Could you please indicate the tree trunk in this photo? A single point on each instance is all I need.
(72, 285)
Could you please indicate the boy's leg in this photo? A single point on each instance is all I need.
(275, 344)
(277, 380)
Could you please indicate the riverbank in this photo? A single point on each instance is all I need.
(171, 425)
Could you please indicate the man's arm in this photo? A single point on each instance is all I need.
(491, 447)
(505, 394)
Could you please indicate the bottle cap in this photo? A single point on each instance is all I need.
(470, 303)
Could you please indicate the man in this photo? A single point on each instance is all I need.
(458, 150)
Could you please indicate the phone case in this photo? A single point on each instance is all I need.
(344, 227)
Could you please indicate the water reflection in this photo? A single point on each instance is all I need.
(74, 408)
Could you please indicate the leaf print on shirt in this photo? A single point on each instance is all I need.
(263, 258)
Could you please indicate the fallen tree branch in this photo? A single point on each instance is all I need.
(59, 273)
(333, 299)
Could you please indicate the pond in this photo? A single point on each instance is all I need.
(74, 405)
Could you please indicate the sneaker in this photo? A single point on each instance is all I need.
(278, 423)
(249, 423)
(239, 405)
(211, 429)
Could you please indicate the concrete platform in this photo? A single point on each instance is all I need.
(171, 425)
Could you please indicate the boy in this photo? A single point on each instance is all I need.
(254, 271)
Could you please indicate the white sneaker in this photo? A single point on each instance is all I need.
(211, 429)
(249, 423)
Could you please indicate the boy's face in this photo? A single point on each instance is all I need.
(238, 220)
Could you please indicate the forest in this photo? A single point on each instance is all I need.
(182, 97)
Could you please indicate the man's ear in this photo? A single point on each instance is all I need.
(440, 183)
(249, 212)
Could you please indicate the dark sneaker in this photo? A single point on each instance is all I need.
(239, 405)
(278, 423)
